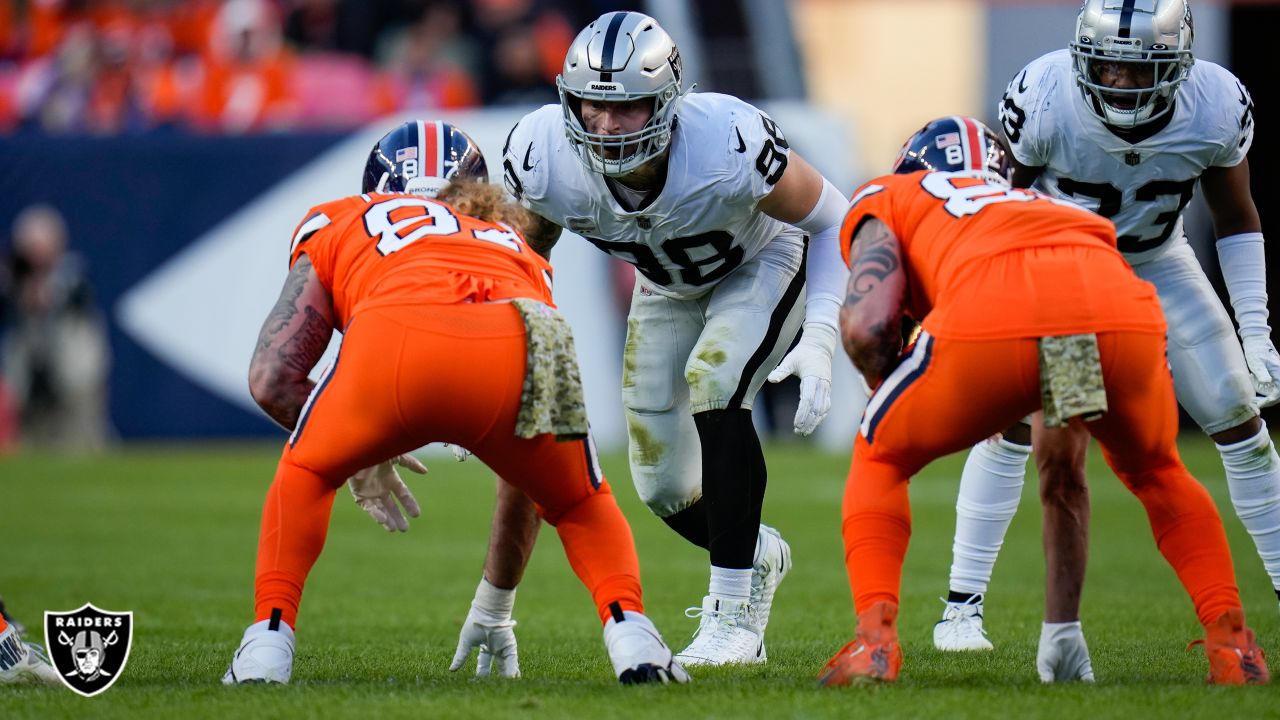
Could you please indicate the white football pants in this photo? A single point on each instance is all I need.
(709, 353)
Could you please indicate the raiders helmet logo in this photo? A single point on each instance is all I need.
(88, 646)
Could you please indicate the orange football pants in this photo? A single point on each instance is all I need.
(406, 376)
(946, 395)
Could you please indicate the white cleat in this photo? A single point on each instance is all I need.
(23, 662)
(264, 656)
(728, 633)
(638, 653)
(960, 628)
(771, 564)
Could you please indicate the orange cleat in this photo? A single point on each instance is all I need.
(1235, 658)
(874, 655)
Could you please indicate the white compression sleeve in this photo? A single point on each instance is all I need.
(825, 274)
(1244, 270)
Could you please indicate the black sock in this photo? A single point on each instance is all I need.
(691, 523)
(960, 597)
(733, 483)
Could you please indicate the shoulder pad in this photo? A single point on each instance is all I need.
(757, 148)
(319, 217)
(524, 172)
(1022, 107)
(1229, 108)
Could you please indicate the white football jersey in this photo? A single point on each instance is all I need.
(1144, 186)
(725, 155)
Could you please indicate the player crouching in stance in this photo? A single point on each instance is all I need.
(947, 241)
(1127, 122)
(449, 334)
(733, 238)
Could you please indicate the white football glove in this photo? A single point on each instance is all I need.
(376, 490)
(459, 453)
(1264, 368)
(811, 362)
(1063, 655)
(489, 629)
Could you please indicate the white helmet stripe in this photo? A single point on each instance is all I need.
(441, 156)
(422, 144)
(965, 144)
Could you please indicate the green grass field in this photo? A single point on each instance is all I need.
(170, 534)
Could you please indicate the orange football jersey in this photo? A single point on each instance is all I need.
(986, 261)
(394, 249)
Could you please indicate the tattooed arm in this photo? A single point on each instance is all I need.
(292, 340)
(871, 317)
(542, 234)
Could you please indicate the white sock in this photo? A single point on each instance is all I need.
(1253, 479)
(990, 488)
(730, 583)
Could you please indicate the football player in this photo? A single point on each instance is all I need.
(1125, 122)
(732, 235)
(449, 335)
(1024, 303)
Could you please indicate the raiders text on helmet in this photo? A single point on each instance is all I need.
(1152, 37)
(421, 157)
(621, 56)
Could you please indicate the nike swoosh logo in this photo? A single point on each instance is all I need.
(527, 166)
(1021, 85)
(1244, 99)
(861, 649)
(742, 146)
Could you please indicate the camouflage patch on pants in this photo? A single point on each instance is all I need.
(1071, 379)
(552, 400)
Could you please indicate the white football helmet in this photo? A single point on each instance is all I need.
(621, 56)
(1150, 35)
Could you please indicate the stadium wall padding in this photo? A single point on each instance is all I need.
(131, 203)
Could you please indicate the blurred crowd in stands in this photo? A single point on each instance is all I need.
(242, 66)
